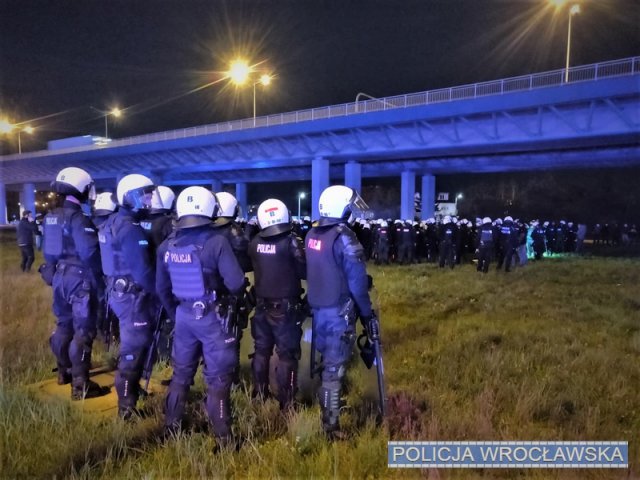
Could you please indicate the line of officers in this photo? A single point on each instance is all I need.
(193, 268)
(450, 242)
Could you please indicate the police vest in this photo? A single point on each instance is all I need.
(113, 262)
(186, 270)
(325, 280)
(274, 267)
(505, 230)
(486, 235)
(58, 241)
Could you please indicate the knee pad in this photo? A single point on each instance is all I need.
(334, 374)
(59, 342)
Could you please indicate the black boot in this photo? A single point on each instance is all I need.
(330, 407)
(82, 389)
(260, 373)
(64, 376)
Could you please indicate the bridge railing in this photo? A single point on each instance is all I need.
(596, 71)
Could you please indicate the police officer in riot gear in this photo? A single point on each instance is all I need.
(103, 207)
(157, 226)
(130, 272)
(448, 236)
(279, 266)
(338, 292)
(485, 245)
(72, 268)
(198, 282)
(508, 238)
(225, 222)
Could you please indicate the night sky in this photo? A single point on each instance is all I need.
(59, 58)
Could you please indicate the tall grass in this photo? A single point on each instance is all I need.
(547, 352)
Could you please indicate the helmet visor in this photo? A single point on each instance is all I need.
(91, 192)
(359, 207)
(139, 198)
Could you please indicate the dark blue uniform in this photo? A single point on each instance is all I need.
(70, 246)
(508, 239)
(197, 273)
(448, 236)
(338, 293)
(485, 246)
(130, 275)
(157, 227)
(279, 266)
(25, 231)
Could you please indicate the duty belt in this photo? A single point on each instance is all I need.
(71, 268)
(281, 304)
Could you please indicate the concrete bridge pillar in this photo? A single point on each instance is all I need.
(407, 192)
(28, 198)
(3, 204)
(319, 181)
(428, 196)
(216, 185)
(353, 176)
(241, 196)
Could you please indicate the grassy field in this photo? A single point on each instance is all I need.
(548, 352)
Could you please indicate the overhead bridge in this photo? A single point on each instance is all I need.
(532, 122)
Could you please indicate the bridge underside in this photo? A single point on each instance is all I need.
(584, 125)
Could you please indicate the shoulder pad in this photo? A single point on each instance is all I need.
(350, 244)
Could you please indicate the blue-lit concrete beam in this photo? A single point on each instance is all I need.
(428, 196)
(216, 185)
(319, 181)
(407, 193)
(3, 204)
(241, 196)
(353, 176)
(28, 201)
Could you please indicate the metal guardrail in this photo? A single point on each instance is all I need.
(596, 71)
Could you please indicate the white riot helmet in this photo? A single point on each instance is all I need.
(228, 205)
(508, 219)
(339, 201)
(273, 218)
(74, 181)
(486, 220)
(196, 206)
(104, 204)
(446, 219)
(162, 198)
(134, 191)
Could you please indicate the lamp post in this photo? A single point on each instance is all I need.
(28, 129)
(116, 112)
(240, 72)
(301, 195)
(458, 197)
(574, 10)
(265, 80)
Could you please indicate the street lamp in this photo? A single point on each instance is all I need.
(116, 112)
(240, 73)
(301, 195)
(458, 197)
(265, 80)
(574, 10)
(28, 129)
